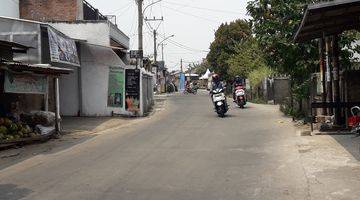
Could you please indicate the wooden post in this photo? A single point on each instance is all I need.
(336, 78)
(57, 105)
(329, 97)
(322, 73)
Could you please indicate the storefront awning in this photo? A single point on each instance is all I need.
(101, 55)
(37, 68)
(329, 18)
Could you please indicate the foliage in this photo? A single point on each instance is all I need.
(257, 75)
(226, 38)
(200, 68)
(275, 23)
(247, 57)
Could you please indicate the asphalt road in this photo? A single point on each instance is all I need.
(183, 153)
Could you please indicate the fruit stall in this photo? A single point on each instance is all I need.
(29, 102)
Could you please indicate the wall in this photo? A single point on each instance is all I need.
(59, 10)
(281, 89)
(353, 86)
(69, 94)
(10, 8)
(93, 32)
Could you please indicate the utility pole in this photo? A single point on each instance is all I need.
(155, 47)
(162, 51)
(181, 65)
(140, 31)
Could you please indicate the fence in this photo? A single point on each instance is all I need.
(147, 92)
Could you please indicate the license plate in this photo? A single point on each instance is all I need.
(240, 92)
(218, 97)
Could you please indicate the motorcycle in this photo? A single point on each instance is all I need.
(190, 90)
(220, 103)
(354, 120)
(240, 96)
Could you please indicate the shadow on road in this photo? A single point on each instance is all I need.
(350, 143)
(12, 192)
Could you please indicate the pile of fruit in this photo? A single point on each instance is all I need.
(10, 130)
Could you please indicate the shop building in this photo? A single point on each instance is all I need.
(25, 89)
(97, 87)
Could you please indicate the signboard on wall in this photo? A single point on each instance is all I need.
(116, 87)
(135, 53)
(62, 49)
(132, 90)
(25, 84)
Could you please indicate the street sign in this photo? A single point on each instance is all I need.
(135, 53)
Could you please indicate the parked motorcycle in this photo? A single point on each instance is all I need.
(191, 90)
(354, 120)
(220, 103)
(240, 96)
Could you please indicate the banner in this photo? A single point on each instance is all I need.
(182, 82)
(62, 49)
(25, 83)
(132, 89)
(116, 87)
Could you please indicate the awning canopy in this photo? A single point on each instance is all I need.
(37, 68)
(15, 47)
(329, 18)
(100, 55)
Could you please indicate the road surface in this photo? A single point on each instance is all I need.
(183, 153)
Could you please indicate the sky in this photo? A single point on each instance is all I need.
(192, 22)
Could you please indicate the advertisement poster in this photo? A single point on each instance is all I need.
(132, 88)
(62, 50)
(25, 84)
(182, 82)
(116, 88)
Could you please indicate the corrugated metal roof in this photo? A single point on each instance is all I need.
(329, 18)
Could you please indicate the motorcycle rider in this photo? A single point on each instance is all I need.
(238, 82)
(216, 83)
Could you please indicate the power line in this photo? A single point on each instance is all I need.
(207, 9)
(125, 8)
(196, 16)
(185, 47)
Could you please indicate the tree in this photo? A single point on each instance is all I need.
(200, 68)
(275, 23)
(248, 57)
(226, 38)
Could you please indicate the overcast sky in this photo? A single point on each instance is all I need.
(193, 23)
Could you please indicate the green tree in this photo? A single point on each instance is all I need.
(226, 38)
(200, 68)
(248, 57)
(275, 23)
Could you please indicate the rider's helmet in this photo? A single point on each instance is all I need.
(238, 80)
(215, 78)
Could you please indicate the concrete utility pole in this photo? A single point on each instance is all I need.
(181, 65)
(162, 51)
(140, 31)
(155, 47)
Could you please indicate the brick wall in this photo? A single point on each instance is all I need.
(47, 10)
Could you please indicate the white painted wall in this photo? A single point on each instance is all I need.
(69, 94)
(9, 8)
(94, 33)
